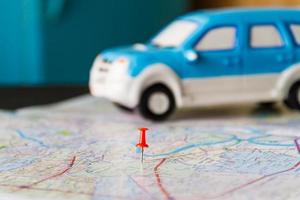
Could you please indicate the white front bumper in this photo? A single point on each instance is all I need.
(116, 88)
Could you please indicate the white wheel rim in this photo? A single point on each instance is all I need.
(158, 103)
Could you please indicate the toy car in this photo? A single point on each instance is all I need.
(206, 58)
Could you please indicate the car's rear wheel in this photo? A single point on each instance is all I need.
(293, 99)
(157, 103)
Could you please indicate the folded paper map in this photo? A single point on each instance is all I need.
(84, 149)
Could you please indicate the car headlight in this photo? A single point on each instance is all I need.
(122, 61)
(119, 67)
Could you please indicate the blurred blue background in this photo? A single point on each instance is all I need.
(54, 42)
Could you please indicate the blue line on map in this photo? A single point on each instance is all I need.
(26, 137)
(272, 144)
(177, 150)
(254, 140)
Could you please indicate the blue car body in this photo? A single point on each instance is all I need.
(239, 18)
(256, 61)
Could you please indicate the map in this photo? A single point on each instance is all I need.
(84, 149)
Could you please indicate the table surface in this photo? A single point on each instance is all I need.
(18, 97)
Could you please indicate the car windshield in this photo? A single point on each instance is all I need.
(174, 34)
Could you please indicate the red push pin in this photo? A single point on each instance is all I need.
(142, 143)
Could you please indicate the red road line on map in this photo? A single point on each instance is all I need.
(70, 165)
(255, 181)
(158, 180)
(297, 144)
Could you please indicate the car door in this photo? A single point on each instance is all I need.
(267, 55)
(214, 77)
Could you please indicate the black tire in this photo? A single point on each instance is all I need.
(145, 109)
(293, 99)
(288, 104)
(123, 108)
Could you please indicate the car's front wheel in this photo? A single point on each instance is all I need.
(157, 103)
(293, 99)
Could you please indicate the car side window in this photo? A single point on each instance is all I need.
(216, 39)
(295, 29)
(265, 36)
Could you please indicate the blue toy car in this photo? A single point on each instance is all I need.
(206, 58)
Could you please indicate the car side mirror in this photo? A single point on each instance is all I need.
(191, 55)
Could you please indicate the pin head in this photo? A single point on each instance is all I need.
(143, 129)
(142, 142)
